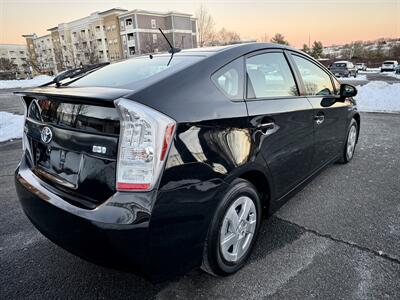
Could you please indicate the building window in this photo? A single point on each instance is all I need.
(131, 50)
(128, 22)
(153, 23)
(97, 28)
(115, 41)
(130, 36)
(154, 38)
(113, 27)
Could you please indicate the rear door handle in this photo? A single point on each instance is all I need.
(319, 119)
(264, 127)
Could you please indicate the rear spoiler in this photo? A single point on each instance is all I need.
(89, 95)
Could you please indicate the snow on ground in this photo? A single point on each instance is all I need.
(24, 83)
(11, 126)
(370, 70)
(392, 74)
(359, 77)
(379, 96)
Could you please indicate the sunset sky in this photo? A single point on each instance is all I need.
(330, 21)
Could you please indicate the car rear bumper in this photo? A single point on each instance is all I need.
(157, 234)
(122, 246)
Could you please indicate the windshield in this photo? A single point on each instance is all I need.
(389, 63)
(134, 70)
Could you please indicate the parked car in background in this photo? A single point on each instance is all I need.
(344, 69)
(389, 65)
(397, 71)
(167, 162)
(361, 66)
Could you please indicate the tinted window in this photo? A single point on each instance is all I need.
(316, 81)
(269, 75)
(229, 79)
(134, 70)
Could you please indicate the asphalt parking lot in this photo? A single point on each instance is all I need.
(371, 76)
(338, 238)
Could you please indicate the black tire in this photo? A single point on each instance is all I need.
(345, 158)
(213, 260)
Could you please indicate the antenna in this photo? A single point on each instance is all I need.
(172, 49)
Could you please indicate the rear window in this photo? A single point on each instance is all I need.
(127, 72)
(340, 65)
(389, 63)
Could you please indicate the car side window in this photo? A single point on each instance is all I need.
(229, 79)
(316, 81)
(269, 75)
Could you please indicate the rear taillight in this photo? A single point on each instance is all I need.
(145, 137)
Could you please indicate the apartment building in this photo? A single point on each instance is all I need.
(17, 55)
(140, 33)
(108, 36)
(92, 39)
(41, 53)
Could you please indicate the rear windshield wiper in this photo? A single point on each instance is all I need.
(74, 73)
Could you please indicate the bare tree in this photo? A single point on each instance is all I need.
(59, 57)
(86, 50)
(205, 25)
(42, 61)
(150, 45)
(8, 69)
(395, 51)
(226, 37)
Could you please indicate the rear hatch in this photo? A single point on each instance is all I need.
(71, 140)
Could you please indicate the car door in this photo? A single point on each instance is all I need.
(281, 120)
(330, 123)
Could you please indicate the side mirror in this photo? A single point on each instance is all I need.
(328, 101)
(347, 90)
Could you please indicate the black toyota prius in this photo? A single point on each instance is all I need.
(163, 163)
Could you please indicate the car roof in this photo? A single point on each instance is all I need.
(341, 62)
(243, 47)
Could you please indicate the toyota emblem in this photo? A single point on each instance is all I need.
(46, 135)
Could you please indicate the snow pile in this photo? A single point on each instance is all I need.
(24, 83)
(371, 70)
(11, 126)
(359, 77)
(379, 96)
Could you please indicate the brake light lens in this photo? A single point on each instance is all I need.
(145, 137)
